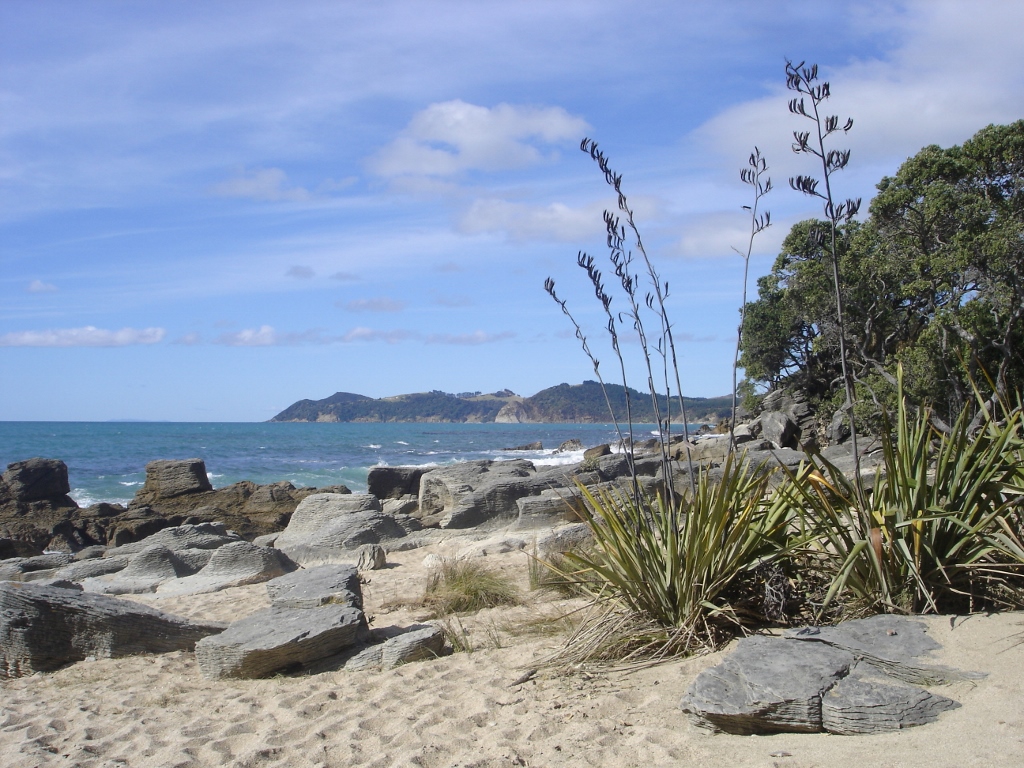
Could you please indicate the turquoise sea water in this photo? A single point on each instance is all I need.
(106, 461)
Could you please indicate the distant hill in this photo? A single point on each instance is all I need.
(563, 403)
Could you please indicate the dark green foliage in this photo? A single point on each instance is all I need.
(933, 280)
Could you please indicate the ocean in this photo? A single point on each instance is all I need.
(106, 460)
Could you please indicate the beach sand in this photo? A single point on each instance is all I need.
(467, 709)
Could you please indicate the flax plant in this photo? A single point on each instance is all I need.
(660, 572)
(942, 525)
(754, 175)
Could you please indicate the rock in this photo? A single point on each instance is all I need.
(481, 493)
(563, 539)
(87, 569)
(43, 628)
(534, 446)
(838, 430)
(325, 528)
(201, 536)
(280, 639)
(597, 452)
(315, 587)
(552, 507)
(496, 545)
(416, 644)
(371, 557)
(166, 479)
(872, 705)
(267, 540)
(23, 568)
(13, 548)
(780, 429)
(179, 491)
(36, 479)
(766, 685)
(144, 573)
(233, 565)
(570, 445)
(787, 415)
(395, 646)
(404, 505)
(394, 482)
(34, 501)
(853, 678)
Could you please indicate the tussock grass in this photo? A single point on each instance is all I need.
(465, 586)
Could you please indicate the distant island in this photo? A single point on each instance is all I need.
(564, 403)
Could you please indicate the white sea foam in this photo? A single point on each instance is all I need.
(128, 483)
(373, 446)
(401, 442)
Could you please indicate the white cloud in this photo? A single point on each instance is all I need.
(189, 339)
(521, 221)
(267, 184)
(723, 233)
(450, 137)
(266, 336)
(38, 286)
(89, 336)
(954, 72)
(379, 304)
(370, 334)
(470, 339)
(300, 271)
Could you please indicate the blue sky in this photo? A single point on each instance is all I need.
(211, 210)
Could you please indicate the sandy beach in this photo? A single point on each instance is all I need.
(468, 709)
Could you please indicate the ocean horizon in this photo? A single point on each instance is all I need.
(107, 460)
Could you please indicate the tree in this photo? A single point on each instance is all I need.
(933, 280)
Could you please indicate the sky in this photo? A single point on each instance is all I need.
(211, 210)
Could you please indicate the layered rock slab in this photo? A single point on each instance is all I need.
(854, 678)
(279, 639)
(326, 528)
(42, 628)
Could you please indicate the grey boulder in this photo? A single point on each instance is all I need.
(280, 639)
(43, 628)
(326, 527)
(233, 565)
(316, 587)
(859, 677)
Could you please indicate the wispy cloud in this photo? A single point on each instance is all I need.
(451, 137)
(522, 222)
(267, 184)
(453, 301)
(378, 304)
(266, 336)
(345, 277)
(469, 339)
(38, 286)
(89, 336)
(189, 339)
(300, 271)
(371, 334)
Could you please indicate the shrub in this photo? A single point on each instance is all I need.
(941, 526)
(662, 571)
(465, 586)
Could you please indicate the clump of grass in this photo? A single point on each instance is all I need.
(556, 572)
(465, 586)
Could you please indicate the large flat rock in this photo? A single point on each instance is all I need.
(42, 628)
(859, 677)
(278, 639)
(314, 587)
(327, 527)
